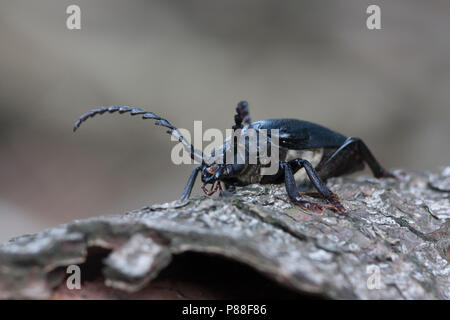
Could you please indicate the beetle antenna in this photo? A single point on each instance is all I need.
(195, 154)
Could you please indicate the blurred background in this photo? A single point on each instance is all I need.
(194, 60)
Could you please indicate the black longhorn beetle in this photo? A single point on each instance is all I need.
(322, 152)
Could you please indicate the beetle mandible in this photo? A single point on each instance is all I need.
(323, 154)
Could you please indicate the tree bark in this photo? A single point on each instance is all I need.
(394, 243)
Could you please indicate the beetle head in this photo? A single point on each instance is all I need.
(211, 173)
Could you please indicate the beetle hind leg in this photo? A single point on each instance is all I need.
(296, 196)
(350, 157)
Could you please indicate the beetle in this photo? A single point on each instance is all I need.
(322, 152)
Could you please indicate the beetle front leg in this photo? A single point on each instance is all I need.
(188, 189)
(295, 196)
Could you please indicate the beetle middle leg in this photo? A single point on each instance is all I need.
(296, 197)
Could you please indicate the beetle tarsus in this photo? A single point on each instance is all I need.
(310, 206)
(335, 205)
(387, 174)
(317, 195)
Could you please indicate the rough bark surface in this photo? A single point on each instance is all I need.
(394, 243)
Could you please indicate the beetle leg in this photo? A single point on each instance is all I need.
(292, 191)
(205, 190)
(313, 194)
(190, 183)
(343, 158)
(214, 187)
(321, 187)
(220, 188)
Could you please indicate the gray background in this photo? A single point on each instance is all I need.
(194, 60)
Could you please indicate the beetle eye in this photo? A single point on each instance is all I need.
(211, 170)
